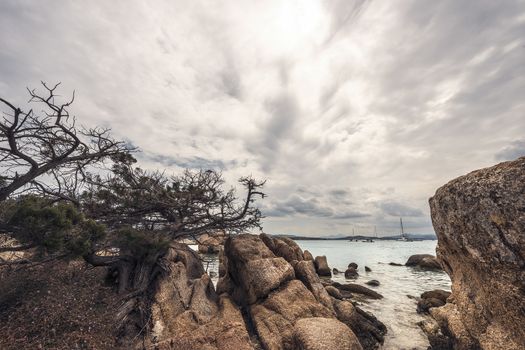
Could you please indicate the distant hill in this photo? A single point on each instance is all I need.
(415, 237)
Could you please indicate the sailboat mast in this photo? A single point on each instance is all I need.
(402, 231)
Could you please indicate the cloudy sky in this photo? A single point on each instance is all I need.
(354, 111)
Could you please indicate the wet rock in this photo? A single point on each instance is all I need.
(367, 269)
(334, 292)
(436, 294)
(358, 289)
(374, 283)
(424, 305)
(321, 266)
(307, 255)
(324, 334)
(368, 329)
(335, 271)
(353, 265)
(480, 224)
(351, 273)
(394, 264)
(436, 338)
(424, 261)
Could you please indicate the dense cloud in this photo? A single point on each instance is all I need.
(354, 111)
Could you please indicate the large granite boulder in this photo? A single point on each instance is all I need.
(424, 261)
(212, 242)
(479, 220)
(187, 313)
(286, 306)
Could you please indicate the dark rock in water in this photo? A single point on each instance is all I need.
(367, 269)
(335, 271)
(480, 224)
(358, 289)
(307, 255)
(395, 264)
(436, 338)
(424, 305)
(370, 331)
(324, 333)
(436, 294)
(374, 283)
(334, 292)
(321, 266)
(351, 273)
(353, 265)
(424, 261)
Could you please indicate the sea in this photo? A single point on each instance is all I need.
(399, 285)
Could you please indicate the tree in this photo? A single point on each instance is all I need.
(51, 144)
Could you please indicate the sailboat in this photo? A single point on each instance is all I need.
(404, 236)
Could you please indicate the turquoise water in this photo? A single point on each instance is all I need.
(397, 311)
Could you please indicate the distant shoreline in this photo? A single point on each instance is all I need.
(358, 238)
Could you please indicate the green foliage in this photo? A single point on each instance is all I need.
(53, 228)
(141, 244)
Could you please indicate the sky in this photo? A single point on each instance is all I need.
(355, 112)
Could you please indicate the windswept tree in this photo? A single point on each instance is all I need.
(47, 151)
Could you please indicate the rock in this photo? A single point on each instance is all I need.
(351, 273)
(275, 316)
(424, 305)
(321, 266)
(374, 283)
(369, 331)
(367, 269)
(186, 313)
(353, 265)
(283, 247)
(211, 243)
(334, 292)
(358, 289)
(305, 272)
(324, 334)
(394, 264)
(480, 224)
(213, 274)
(436, 294)
(451, 325)
(253, 267)
(307, 255)
(436, 338)
(335, 271)
(424, 261)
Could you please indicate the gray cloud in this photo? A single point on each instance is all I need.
(354, 111)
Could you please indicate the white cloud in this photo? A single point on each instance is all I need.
(354, 111)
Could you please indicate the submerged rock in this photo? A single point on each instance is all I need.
(424, 261)
(480, 224)
(394, 264)
(321, 266)
(374, 283)
(358, 289)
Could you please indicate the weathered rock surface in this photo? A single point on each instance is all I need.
(307, 255)
(324, 334)
(358, 289)
(432, 298)
(212, 242)
(321, 266)
(424, 261)
(286, 312)
(186, 312)
(366, 327)
(479, 220)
